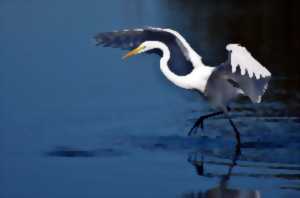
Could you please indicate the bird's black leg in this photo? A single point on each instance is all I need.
(199, 122)
(236, 131)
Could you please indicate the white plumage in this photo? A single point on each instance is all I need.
(187, 50)
(242, 58)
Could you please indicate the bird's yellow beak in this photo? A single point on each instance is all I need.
(133, 52)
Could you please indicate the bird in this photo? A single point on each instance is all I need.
(240, 75)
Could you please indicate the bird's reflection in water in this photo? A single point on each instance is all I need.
(222, 190)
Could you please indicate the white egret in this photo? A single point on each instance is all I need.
(241, 74)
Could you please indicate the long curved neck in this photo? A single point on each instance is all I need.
(180, 81)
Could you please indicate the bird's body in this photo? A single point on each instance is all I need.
(241, 74)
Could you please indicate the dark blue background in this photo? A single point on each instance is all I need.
(77, 121)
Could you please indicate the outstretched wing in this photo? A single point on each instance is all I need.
(244, 72)
(182, 55)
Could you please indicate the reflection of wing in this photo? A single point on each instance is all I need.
(182, 55)
(243, 74)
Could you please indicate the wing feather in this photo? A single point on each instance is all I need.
(239, 56)
(240, 74)
(247, 72)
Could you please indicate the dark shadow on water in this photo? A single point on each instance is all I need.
(175, 143)
(258, 145)
(72, 152)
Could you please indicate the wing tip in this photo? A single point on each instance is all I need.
(232, 46)
(99, 38)
(259, 99)
(106, 38)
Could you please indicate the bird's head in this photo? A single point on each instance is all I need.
(143, 47)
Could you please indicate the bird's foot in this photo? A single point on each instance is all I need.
(197, 124)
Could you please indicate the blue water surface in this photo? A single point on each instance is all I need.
(78, 121)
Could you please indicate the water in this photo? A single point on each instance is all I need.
(77, 121)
